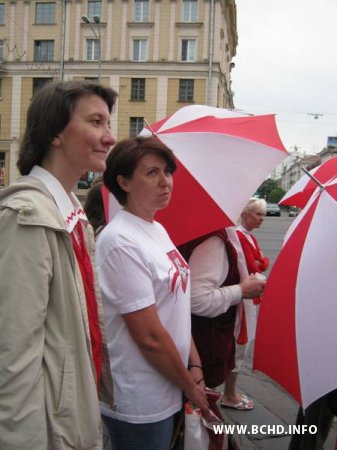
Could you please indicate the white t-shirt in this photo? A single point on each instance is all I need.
(139, 266)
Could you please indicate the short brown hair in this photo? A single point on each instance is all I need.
(49, 113)
(124, 158)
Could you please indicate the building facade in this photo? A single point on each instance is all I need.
(292, 168)
(159, 55)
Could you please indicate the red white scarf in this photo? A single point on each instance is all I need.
(75, 219)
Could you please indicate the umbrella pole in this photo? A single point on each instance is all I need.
(149, 127)
(313, 178)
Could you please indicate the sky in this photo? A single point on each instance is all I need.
(286, 63)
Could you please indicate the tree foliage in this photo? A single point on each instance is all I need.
(275, 195)
(270, 191)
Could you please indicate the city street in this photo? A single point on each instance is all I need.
(270, 235)
(273, 405)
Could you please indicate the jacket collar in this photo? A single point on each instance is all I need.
(68, 205)
(246, 233)
(242, 229)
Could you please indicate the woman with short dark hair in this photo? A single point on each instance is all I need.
(124, 162)
(53, 354)
(50, 112)
(146, 295)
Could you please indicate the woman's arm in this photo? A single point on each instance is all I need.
(209, 268)
(194, 365)
(26, 270)
(158, 348)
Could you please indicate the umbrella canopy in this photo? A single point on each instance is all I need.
(296, 331)
(222, 157)
(302, 190)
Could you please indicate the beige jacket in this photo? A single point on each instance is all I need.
(48, 396)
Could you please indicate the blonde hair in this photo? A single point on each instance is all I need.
(254, 203)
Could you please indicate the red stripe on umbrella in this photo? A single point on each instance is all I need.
(297, 305)
(192, 221)
(261, 129)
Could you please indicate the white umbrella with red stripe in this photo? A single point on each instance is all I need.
(223, 156)
(296, 332)
(302, 190)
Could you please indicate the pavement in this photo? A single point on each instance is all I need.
(273, 406)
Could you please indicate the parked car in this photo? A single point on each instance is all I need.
(273, 209)
(293, 211)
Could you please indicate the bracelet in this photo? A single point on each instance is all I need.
(194, 365)
(201, 379)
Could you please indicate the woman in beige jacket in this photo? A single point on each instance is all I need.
(52, 346)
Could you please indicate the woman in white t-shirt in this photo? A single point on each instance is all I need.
(146, 294)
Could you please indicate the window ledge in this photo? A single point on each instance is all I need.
(140, 24)
(189, 24)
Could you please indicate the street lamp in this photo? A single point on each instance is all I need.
(98, 36)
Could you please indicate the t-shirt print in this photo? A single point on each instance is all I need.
(179, 272)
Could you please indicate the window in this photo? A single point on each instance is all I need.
(0, 87)
(139, 49)
(93, 49)
(43, 50)
(45, 13)
(190, 10)
(39, 82)
(93, 79)
(186, 90)
(94, 9)
(138, 89)
(1, 50)
(141, 10)
(136, 125)
(2, 167)
(2, 14)
(188, 50)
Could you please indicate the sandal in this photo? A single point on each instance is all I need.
(245, 404)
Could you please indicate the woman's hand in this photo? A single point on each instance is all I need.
(258, 264)
(251, 287)
(196, 394)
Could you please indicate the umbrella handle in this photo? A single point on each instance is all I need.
(313, 178)
(149, 127)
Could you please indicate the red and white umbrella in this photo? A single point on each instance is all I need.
(296, 331)
(222, 157)
(302, 190)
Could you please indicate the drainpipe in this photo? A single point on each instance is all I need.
(210, 51)
(63, 38)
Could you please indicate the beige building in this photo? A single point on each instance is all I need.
(159, 55)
